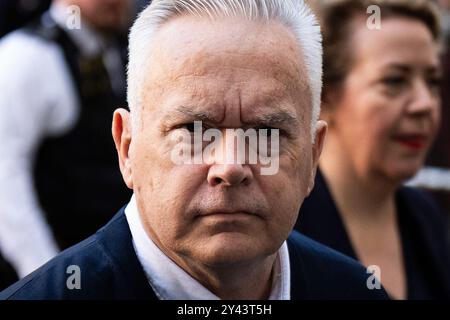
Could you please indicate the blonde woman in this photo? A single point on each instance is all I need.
(382, 103)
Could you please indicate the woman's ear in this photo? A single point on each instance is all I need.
(326, 111)
(321, 132)
(330, 101)
(121, 131)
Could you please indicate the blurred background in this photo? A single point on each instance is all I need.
(62, 73)
(435, 177)
(94, 73)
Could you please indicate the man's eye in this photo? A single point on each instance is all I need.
(269, 130)
(189, 127)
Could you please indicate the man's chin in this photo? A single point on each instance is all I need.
(232, 248)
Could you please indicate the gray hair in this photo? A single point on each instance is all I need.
(294, 14)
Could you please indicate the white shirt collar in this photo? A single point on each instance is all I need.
(170, 282)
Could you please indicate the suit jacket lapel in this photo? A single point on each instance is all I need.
(299, 280)
(130, 281)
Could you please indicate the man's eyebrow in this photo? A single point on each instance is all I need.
(196, 114)
(268, 119)
(274, 119)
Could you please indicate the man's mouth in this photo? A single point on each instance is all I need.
(227, 214)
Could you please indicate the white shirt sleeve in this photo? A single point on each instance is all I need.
(36, 100)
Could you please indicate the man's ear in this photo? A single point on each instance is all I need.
(121, 132)
(321, 132)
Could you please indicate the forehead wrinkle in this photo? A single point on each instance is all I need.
(200, 58)
(200, 65)
(203, 91)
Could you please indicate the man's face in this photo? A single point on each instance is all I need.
(229, 74)
(105, 15)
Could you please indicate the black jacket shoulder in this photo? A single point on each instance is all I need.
(107, 266)
(322, 273)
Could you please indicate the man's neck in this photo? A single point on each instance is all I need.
(250, 281)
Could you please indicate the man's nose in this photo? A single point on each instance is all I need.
(229, 175)
(229, 167)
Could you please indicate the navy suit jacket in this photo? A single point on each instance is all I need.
(110, 269)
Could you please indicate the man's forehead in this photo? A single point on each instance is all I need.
(219, 68)
(210, 99)
(285, 114)
(195, 46)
